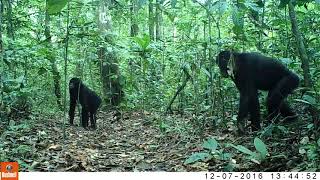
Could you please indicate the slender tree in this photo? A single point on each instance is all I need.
(300, 45)
(151, 20)
(51, 57)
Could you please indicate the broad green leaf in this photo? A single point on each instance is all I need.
(267, 132)
(310, 99)
(303, 101)
(243, 149)
(237, 20)
(210, 144)
(252, 5)
(196, 157)
(143, 42)
(55, 6)
(260, 147)
(225, 156)
(220, 6)
(203, 69)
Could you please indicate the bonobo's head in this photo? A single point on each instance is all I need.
(74, 83)
(223, 61)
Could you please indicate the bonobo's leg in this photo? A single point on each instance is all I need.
(276, 96)
(85, 116)
(273, 101)
(243, 112)
(93, 120)
(285, 109)
(254, 109)
(71, 111)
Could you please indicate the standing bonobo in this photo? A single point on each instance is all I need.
(252, 72)
(89, 101)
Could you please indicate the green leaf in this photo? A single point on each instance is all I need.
(260, 147)
(310, 99)
(220, 6)
(237, 20)
(243, 149)
(196, 157)
(252, 5)
(55, 6)
(282, 129)
(267, 131)
(143, 42)
(210, 144)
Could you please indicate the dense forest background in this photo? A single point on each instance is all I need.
(165, 106)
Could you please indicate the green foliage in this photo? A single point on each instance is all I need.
(243, 149)
(55, 6)
(199, 156)
(312, 152)
(308, 99)
(16, 99)
(220, 7)
(191, 35)
(238, 21)
(210, 151)
(210, 144)
(258, 156)
(143, 42)
(173, 3)
(261, 147)
(141, 3)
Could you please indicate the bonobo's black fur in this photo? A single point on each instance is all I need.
(89, 101)
(252, 72)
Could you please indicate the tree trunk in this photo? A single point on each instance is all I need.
(300, 46)
(10, 29)
(10, 32)
(151, 20)
(134, 28)
(1, 45)
(51, 58)
(158, 21)
(110, 74)
(1, 59)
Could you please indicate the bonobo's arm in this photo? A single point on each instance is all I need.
(243, 111)
(247, 91)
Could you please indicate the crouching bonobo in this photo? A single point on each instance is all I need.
(252, 72)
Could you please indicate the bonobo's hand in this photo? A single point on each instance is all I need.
(241, 128)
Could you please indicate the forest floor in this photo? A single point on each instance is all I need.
(135, 143)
